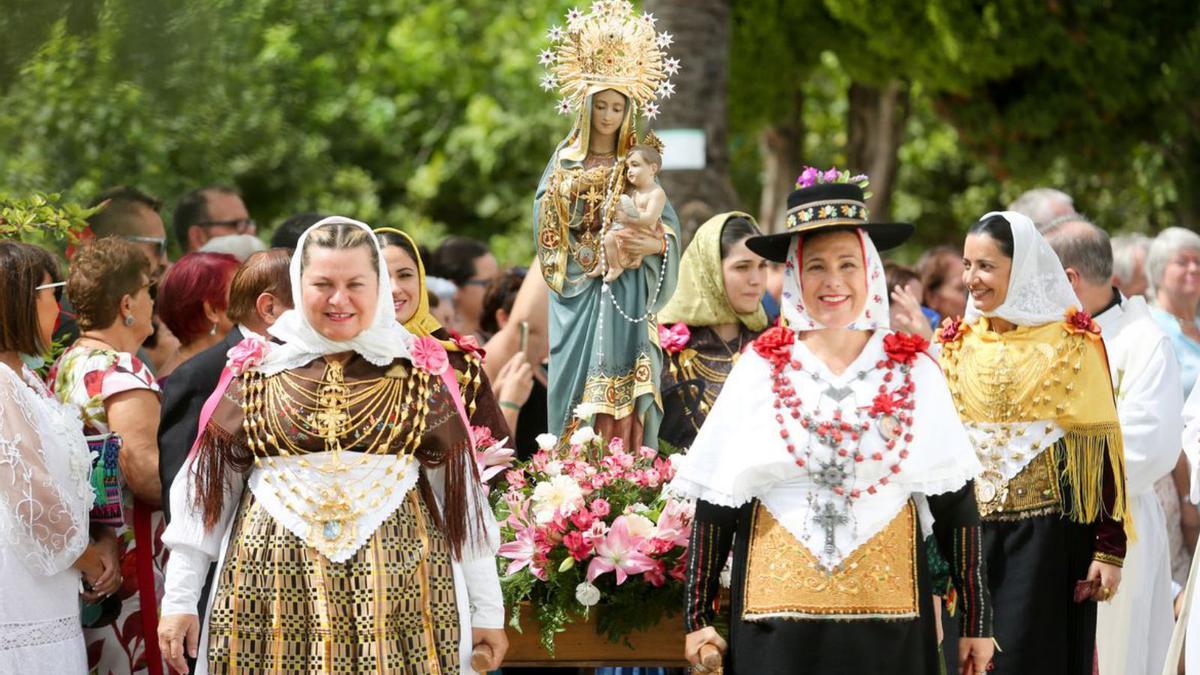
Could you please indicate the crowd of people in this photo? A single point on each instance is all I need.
(119, 451)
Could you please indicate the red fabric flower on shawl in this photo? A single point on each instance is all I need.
(904, 347)
(775, 344)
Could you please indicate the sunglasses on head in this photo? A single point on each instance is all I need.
(58, 289)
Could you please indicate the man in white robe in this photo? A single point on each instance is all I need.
(1133, 630)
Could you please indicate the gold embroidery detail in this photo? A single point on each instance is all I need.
(1034, 491)
(784, 579)
(616, 394)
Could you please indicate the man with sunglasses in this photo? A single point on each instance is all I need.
(210, 212)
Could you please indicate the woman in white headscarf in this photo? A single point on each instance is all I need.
(334, 486)
(1030, 379)
(833, 446)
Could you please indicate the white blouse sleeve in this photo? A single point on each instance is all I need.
(479, 553)
(43, 507)
(193, 547)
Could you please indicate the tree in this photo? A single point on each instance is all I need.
(701, 29)
(422, 114)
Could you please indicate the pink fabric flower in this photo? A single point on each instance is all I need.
(619, 553)
(429, 355)
(674, 339)
(246, 354)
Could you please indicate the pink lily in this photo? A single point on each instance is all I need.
(619, 553)
(675, 523)
(520, 551)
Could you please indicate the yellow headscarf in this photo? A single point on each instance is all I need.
(700, 298)
(422, 322)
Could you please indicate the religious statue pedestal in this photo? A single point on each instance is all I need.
(581, 646)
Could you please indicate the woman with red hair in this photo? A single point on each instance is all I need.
(192, 299)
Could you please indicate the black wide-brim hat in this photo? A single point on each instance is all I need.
(827, 206)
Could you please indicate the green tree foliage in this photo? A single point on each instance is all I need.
(415, 113)
(1098, 98)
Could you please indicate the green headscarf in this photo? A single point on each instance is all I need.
(700, 298)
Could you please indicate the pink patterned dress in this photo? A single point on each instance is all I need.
(115, 630)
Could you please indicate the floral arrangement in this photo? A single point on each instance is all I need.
(587, 525)
(813, 176)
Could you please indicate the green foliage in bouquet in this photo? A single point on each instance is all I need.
(586, 525)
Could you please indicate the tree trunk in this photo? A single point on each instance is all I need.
(701, 29)
(875, 125)
(781, 146)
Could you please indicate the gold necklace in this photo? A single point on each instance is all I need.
(321, 498)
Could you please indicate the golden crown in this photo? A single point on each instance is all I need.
(609, 46)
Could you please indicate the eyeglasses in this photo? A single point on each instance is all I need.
(239, 225)
(159, 242)
(478, 282)
(58, 289)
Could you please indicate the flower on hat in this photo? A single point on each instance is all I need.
(813, 176)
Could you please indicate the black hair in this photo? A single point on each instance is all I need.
(455, 258)
(119, 217)
(501, 294)
(398, 240)
(192, 209)
(735, 230)
(998, 228)
(287, 234)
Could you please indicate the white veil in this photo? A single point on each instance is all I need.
(1038, 290)
(874, 314)
(382, 342)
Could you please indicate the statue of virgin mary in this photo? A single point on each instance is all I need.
(608, 64)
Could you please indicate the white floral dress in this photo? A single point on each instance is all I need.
(45, 495)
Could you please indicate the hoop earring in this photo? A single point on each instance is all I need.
(129, 319)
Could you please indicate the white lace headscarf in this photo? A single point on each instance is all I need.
(1038, 290)
(382, 342)
(874, 314)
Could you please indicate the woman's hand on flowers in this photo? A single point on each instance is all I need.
(495, 640)
(177, 632)
(975, 655)
(694, 648)
(640, 243)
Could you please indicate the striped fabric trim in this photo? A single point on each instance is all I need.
(704, 570)
(971, 579)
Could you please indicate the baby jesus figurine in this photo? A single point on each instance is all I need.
(641, 207)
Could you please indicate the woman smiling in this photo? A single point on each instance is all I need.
(833, 441)
(1031, 383)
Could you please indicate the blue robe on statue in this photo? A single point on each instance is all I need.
(600, 354)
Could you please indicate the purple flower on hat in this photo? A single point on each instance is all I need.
(808, 177)
(831, 176)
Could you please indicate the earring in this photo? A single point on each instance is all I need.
(128, 319)
(214, 330)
